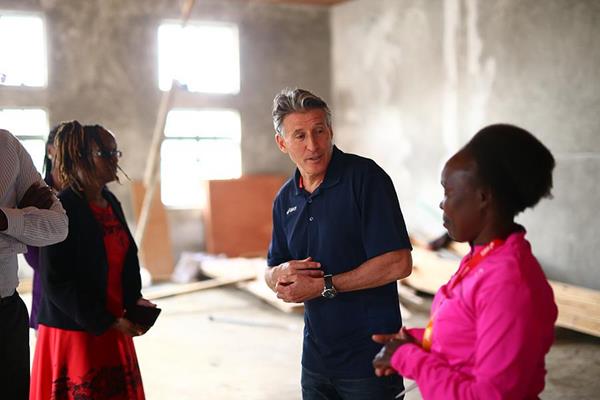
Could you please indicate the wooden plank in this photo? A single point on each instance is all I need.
(222, 271)
(578, 308)
(577, 323)
(259, 288)
(232, 268)
(185, 288)
(156, 252)
(250, 271)
(237, 215)
(152, 171)
(576, 294)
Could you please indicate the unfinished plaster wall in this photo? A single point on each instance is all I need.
(414, 79)
(102, 61)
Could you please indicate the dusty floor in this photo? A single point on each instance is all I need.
(224, 344)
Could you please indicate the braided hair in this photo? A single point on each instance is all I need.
(47, 158)
(74, 154)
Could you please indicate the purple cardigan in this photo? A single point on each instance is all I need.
(33, 258)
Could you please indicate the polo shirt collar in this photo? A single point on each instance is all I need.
(332, 176)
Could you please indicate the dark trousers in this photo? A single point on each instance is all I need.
(320, 387)
(14, 348)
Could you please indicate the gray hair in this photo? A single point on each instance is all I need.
(289, 101)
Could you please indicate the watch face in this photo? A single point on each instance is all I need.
(329, 293)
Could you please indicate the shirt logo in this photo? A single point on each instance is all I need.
(291, 210)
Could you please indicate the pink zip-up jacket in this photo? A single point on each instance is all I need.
(490, 334)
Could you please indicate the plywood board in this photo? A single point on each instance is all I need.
(578, 308)
(237, 214)
(156, 253)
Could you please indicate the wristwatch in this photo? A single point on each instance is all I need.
(329, 291)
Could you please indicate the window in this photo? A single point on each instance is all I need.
(31, 127)
(204, 57)
(22, 50)
(198, 145)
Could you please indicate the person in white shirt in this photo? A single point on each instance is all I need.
(30, 214)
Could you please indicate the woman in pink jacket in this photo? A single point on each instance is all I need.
(493, 322)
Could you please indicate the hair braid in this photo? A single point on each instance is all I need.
(73, 155)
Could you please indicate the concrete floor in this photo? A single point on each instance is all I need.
(224, 344)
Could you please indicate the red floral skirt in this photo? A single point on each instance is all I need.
(74, 365)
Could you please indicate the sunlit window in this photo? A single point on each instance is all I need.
(204, 57)
(198, 145)
(22, 50)
(31, 127)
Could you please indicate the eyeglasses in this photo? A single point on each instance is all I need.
(108, 153)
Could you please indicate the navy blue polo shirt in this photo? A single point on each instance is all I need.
(352, 217)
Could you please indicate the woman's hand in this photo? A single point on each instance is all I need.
(145, 303)
(128, 328)
(382, 361)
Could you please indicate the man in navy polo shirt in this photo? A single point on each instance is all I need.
(339, 245)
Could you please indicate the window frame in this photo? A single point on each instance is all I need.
(201, 22)
(42, 17)
(235, 139)
(30, 138)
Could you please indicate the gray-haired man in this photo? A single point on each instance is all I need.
(339, 245)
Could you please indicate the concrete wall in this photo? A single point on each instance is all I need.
(102, 57)
(409, 81)
(414, 80)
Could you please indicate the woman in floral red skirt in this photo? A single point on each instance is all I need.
(85, 348)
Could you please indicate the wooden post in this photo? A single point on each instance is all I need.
(152, 171)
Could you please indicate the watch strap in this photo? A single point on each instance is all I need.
(328, 281)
